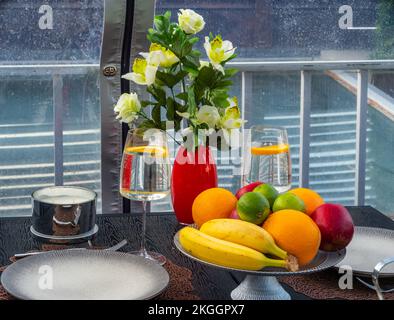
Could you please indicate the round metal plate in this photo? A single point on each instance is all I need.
(81, 236)
(368, 247)
(322, 261)
(84, 275)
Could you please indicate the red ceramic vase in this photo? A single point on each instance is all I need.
(193, 172)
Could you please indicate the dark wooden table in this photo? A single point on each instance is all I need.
(209, 283)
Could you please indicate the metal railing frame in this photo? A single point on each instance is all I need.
(247, 68)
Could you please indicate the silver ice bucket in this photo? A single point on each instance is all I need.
(64, 214)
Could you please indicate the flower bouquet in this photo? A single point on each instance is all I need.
(191, 93)
(188, 94)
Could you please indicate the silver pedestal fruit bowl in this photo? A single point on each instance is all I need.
(263, 285)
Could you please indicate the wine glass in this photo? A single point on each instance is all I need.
(145, 175)
(268, 157)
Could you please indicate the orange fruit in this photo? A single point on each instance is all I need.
(311, 199)
(294, 232)
(214, 203)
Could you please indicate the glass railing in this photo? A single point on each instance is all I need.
(39, 149)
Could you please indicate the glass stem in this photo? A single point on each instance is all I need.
(143, 232)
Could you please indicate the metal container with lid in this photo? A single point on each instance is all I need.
(64, 214)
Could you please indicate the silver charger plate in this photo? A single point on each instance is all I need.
(85, 275)
(368, 247)
(322, 261)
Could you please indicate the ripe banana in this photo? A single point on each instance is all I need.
(243, 233)
(225, 253)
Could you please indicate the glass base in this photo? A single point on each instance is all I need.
(154, 256)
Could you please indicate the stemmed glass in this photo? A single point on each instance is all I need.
(145, 175)
(268, 160)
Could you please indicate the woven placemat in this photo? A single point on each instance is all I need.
(179, 288)
(324, 285)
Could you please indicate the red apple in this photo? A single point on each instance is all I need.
(248, 188)
(234, 214)
(335, 224)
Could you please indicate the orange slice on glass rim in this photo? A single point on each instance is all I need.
(154, 151)
(270, 150)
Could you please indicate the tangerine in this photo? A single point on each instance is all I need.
(294, 232)
(214, 203)
(312, 199)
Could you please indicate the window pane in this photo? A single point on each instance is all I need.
(49, 60)
(299, 30)
(314, 30)
(380, 151)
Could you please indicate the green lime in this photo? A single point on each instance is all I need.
(267, 191)
(253, 207)
(288, 201)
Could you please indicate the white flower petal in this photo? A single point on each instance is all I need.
(218, 67)
(144, 55)
(185, 115)
(209, 115)
(136, 77)
(150, 74)
(190, 21)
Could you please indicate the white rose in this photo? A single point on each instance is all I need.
(209, 115)
(190, 21)
(127, 107)
(218, 51)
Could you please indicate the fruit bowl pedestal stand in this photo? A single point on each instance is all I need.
(263, 285)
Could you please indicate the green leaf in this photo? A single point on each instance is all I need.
(191, 62)
(170, 109)
(230, 58)
(193, 71)
(158, 93)
(194, 40)
(181, 74)
(223, 84)
(183, 96)
(159, 23)
(219, 98)
(177, 125)
(157, 38)
(186, 48)
(191, 101)
(147, 124)
(167, 15)
(156, 114)
(206, 77)
(145, 103)
(195, 53)
(162, 23)
(168, 79)
(163, 125)
(230, 72)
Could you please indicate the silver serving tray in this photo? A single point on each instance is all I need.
(368, 247)
(85, 275)
(322, 261)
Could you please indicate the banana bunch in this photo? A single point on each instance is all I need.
(235, 244)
